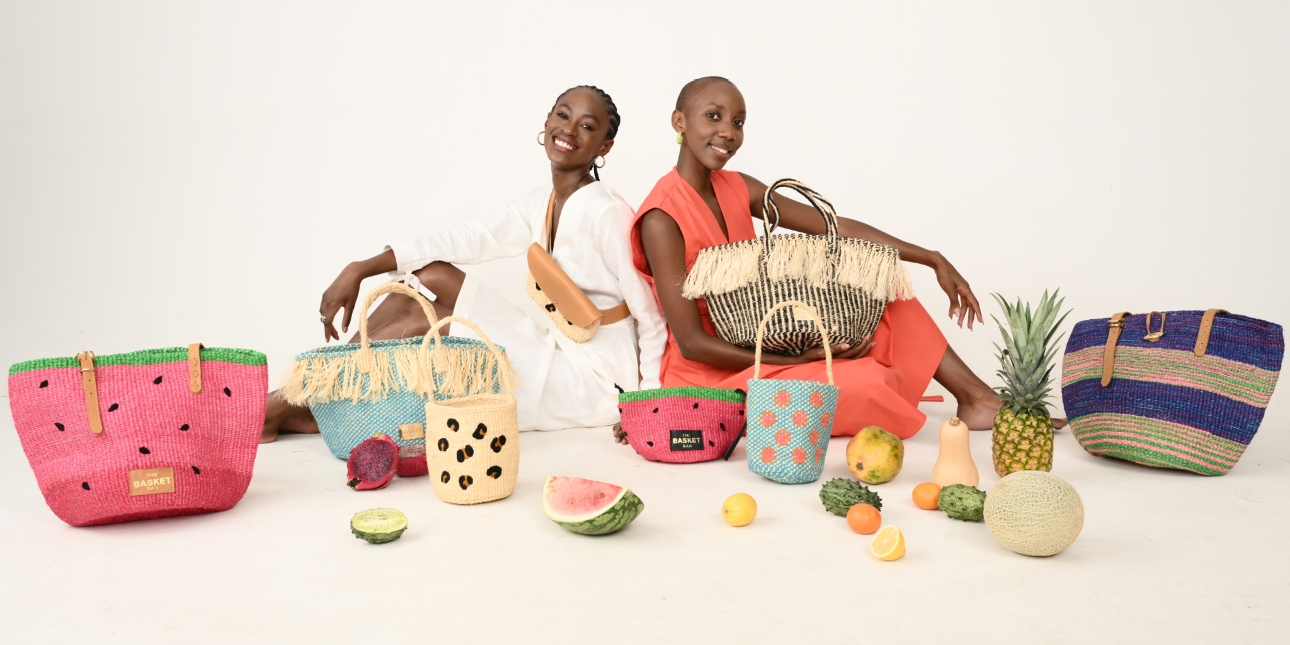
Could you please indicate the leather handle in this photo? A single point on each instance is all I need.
(195, 368)
(91, 388)
(1116, 324)
(1206, 326)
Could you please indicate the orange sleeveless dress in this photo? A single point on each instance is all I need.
(882, 388)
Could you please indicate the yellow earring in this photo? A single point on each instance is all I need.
(680, 138)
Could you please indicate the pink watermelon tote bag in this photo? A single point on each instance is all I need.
(141, 435)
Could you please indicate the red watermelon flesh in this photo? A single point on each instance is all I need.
(589, 507)
(372, 464)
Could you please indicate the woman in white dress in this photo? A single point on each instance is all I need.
(562, 383)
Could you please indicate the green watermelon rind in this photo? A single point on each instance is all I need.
(146, 357)
(622, 512)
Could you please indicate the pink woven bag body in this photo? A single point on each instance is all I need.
(142, 435)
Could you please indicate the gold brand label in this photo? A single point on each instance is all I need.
(412, 431)
(152, 481)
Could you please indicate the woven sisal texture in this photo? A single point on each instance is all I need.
(682, 425)
(1166, 407)
(151, 420)
(789, 423)
(575, 333)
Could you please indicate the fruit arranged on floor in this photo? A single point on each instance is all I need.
(589, 507)
(925, 496)
(864, 519)
(1023, 429)
(962, 502)
(954, 463)
(888, 544)
(412, 461)
(739, 509)
(875, 455)
(378, 525)
(1034, 513)
(372, 464)
(839, 495)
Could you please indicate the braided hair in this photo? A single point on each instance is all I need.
(612, 109)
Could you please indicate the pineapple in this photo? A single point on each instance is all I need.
(1023, 430)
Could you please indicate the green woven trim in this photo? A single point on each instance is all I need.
(147, 357)
(692, 391)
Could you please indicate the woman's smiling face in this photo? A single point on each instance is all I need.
(576, 129)
(713, 123)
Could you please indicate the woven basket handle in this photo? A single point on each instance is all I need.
(770, 208)
(364, 356)
(504, 370)
(815, 315)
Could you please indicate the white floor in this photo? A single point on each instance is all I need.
(1165, 557)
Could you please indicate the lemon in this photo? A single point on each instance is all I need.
(739, 509)
(888, 544)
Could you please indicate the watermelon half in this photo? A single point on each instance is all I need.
(589, 507)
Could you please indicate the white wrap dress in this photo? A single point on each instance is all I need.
(563, 384)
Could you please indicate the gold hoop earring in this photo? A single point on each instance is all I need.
(541, 138)
(602, 161)
(680, 138)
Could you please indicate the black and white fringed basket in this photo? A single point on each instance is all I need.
(848, 280)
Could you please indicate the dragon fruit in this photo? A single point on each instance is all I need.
(412, 461)
(372, 464)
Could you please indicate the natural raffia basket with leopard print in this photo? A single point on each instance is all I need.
(473, 442)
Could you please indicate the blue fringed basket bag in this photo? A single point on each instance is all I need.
(360, 389)
(789, 420)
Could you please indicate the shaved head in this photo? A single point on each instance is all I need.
(692, 89)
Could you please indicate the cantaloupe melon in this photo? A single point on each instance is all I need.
(1034, 513)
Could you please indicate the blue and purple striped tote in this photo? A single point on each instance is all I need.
(1179, 389)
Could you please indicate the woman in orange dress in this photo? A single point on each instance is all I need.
(699, 205)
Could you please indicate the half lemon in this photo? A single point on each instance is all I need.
(888, 544)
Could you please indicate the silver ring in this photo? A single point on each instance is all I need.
(323, 320)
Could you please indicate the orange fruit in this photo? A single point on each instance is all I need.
(925, 495)
(864, 519)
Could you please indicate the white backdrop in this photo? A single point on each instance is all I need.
(179, 172)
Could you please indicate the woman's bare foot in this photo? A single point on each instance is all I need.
(978, 411)
(280, 416)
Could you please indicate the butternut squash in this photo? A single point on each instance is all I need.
(954, 464)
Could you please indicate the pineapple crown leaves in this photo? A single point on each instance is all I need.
(1030, 346)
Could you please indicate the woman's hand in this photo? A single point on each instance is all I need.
(962, 301)
(620, 435)
(841, 351)
(342, 294)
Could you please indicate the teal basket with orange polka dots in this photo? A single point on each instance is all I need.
(789, 421)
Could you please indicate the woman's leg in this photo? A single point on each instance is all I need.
(396, 317)
(978, 403)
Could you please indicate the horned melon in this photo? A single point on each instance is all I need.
(1034, 513)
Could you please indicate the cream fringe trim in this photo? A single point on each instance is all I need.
(465, 371)
(873, 268)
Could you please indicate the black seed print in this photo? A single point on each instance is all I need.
(550, 307)
(655, 410)
(453, 425)
(480, 431)
(443, 445)
(710, 443)
(465, 481)
(620, 409)
(113, 407)
(144, 450)
(228, 392)
(445, 477)
(184, 427)
(495, 472)
(650, 443)
(60, 426)
(723, 426)
(156, 381)
(85, 485)
(497, 443)
(196, 470)
(44, 384)
(741, 413)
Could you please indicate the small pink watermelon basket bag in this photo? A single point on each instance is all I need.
(142, 435)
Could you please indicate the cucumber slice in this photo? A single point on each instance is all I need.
(379, 525)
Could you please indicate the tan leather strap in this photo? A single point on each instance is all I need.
(550, 215)
(1206, 326)
(1116, 325)
(195, 368)
(615, 313)
(91, 388)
